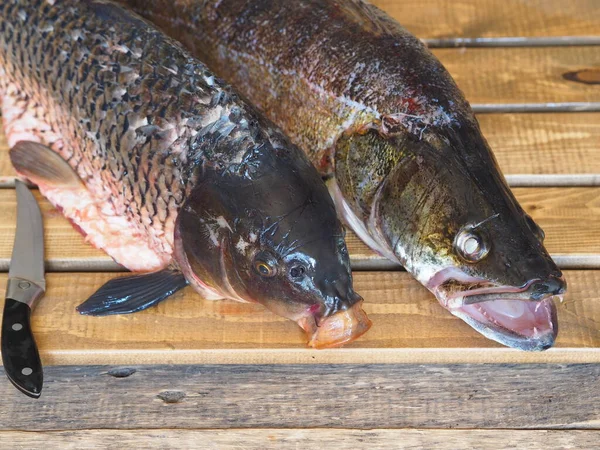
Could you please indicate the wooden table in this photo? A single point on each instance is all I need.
(197, 374)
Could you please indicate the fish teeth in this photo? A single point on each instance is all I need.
(486, 315)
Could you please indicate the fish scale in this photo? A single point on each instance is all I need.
(120, 109)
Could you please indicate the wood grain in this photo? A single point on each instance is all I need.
(496, 76)
(544, 144)
(300, 396)
(533, 148)
(435, 19)
(292, 439)
(569, 217)
(408, 326)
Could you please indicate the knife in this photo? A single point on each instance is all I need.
(26, 285)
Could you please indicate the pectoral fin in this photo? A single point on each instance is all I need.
(43, 166)
(129, 294)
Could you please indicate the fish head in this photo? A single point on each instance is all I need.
(266, 231)
(438, 204)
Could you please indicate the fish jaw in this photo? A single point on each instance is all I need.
(518, 317)
(534, 329)
(338, 329)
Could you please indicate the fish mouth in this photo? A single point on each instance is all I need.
(523, 317)
(338, 329)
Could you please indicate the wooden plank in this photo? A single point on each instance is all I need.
(435, 19)
(300, 396)
(408, 326)
(573, 241)
(531, 148)
(496, 76)
(292, 439)
(544, 144)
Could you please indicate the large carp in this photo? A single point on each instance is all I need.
(408, 167)
(166, 169)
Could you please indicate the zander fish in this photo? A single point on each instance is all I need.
(165, 168)
(408, 167)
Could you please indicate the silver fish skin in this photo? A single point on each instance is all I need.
(407, 164)
(166, 168)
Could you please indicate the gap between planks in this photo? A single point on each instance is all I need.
(557, 41)
(535, 107)
(277, 438)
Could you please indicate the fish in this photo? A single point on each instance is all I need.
(167, 169)
(384, 122)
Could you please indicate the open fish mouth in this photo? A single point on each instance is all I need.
(522, 317)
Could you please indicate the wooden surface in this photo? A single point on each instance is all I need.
(293, 439)
(528, 67)
(408, 326)
(545, 149)
(527, 75)
(493, 21)
(309, 396)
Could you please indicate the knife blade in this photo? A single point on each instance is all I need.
(26, 285)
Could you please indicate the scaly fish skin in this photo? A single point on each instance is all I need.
(175, 169)
(409, 169)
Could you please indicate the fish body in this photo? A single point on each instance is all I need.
(167, 169)
(408, 167)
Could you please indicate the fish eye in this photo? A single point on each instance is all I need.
(470, 245)
(265, 269)
(297, 271)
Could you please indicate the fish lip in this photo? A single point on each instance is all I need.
(489, 292)
(338, 329)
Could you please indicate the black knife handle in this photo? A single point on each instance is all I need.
(20, 355)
